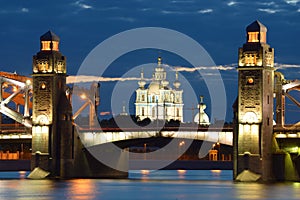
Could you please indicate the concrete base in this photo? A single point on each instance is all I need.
(249, 162)
(285, 168)
(248, 176)
(86, 165)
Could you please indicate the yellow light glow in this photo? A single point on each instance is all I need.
(263, 37)
(181, 171)
(145, 172)
(250, 81)
(28, 82)
(46, 45)
(43, 86)
(181, 143)
(216, 171)
(83, 96)
(253, 36)
(55, 46)
(14, 89)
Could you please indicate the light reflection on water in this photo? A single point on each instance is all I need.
(168, 184)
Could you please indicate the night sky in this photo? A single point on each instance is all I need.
(218, 25)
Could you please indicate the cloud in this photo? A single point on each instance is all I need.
(298, 10)
(20, 10)
(286, 66)
(82, 5)
(25, 10)
(205, 11)
(220, 67)
(126, 19)
(272, 3)
(182, 1)
(268, 10)
(292, 2)
(232, 3)
(86, 78)
(167, 12)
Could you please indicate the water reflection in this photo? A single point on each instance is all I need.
(148, 185)
(82, 189)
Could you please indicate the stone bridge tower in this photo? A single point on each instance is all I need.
(254, 125)
(51, 113)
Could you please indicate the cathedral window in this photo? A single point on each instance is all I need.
(143, 111)
(177, 112)
(143, 97)
(153, 99)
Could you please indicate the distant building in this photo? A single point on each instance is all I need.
(201, 117)
(159, 100)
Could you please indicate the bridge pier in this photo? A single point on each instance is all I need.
(254, 108)
(56, 145)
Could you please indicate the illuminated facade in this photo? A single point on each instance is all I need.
(255, 103)
(51, 111)
(159, 100)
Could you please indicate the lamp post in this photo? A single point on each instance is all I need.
(218, 145)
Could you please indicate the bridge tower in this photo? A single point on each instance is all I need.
(51, 111)
(254, 131)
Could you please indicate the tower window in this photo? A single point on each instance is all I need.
(46, 45)
(263, 37)
(253, 37)
(42, 86)
(250, 81)
(49, 45)
(143, 97)
(55, 46)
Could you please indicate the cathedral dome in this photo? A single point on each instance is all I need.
(204, 119)
(153, 88)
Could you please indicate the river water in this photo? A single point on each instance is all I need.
(164, 184)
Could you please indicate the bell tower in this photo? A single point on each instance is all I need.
(253, 137)
(49, 84)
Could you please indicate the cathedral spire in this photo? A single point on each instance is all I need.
(176, 82)
(142, 82)
(159, 60)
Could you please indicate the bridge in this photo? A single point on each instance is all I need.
(41, 109)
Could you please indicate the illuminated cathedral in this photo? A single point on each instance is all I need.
(159, 100)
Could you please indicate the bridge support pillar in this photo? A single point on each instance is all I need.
(254, 108)
(56, 147)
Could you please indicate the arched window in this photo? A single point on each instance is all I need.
(143, 111)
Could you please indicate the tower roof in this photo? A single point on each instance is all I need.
(49, 36)
(256, 26)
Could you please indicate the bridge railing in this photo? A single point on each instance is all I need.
(96, 137)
